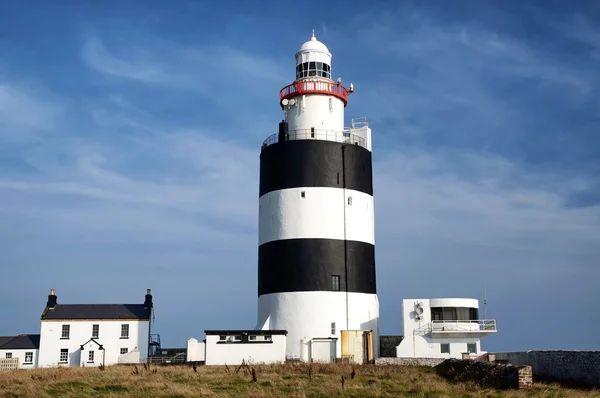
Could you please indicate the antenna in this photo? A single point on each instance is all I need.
(484, 302)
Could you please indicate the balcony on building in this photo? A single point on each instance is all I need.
(459, 322)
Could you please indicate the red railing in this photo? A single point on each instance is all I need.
(314, 87)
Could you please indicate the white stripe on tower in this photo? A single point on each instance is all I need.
(317, 213)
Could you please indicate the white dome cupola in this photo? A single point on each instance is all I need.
(313, 59)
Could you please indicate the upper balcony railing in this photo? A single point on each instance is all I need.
(464, 326)
(458, 328)
(317, 134)
(314, 87)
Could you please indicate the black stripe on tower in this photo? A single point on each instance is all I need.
(313, 163)
(294, 265)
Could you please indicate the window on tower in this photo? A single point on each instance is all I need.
(335, 282)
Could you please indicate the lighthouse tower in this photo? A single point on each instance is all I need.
(316, 257)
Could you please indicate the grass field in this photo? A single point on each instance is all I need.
(288, 380)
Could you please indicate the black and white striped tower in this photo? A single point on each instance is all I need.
(316, 260)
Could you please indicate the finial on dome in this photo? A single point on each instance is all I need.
(313, 35)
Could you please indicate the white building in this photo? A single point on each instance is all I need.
(442, 328)
(25, 347)
(234, 347)
(94, 334)
(316, 256)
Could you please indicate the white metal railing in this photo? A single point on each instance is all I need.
(360, 122)
(318, 134)
(464, 325)
(485, 325)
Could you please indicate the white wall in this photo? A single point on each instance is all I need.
(21, 355)
(424, 346)
(81, 331)
(98, 358)
(364, 133)
(285, 214)
(295, 312)
(252, 353)
(195, 350)
(323, 112)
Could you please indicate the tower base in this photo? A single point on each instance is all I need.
(311, 317)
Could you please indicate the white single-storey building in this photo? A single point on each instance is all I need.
(25, 347)
(94, 334)
(234, 347)
(443, 328)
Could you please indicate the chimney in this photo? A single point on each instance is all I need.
(283, 131)
(52, 299)
(148, 302)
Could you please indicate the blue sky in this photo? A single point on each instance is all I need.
(130, 135)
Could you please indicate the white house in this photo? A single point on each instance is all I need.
(231, 347)
(442, 328)
(25, 347)
(94, 334)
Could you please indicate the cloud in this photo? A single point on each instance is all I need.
(98, 57)
(25, 112)
(187, 67)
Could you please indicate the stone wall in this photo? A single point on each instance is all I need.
(580, 367)
(387, 346)
(486, 374)
(409, 361)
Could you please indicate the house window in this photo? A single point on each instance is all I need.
(303, 194)
(95, 331)
(29, 357)
(252, 338)
(349, 200)
(335, 282)
(472, 348)
(267, 337)
(222, 338)
(65, 331)
(8, 355)
(124, 331)
(64, 355)
(445, 348)
(90, 356)
(332, 327)
(123, 351)
(237, 338)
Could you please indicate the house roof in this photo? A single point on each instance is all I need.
(97, 311)
(20, 342)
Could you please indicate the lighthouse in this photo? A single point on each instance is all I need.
(316, 249)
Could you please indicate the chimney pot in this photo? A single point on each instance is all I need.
(52, 292)
(148, 291)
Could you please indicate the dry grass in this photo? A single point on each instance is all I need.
(288, 380)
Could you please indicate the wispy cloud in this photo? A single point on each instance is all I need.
(24, 112)
(98, 57)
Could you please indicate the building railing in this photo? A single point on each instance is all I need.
(317, 134)
(314, 87)
(485, 325)
(464, 325)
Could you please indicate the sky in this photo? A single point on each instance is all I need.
(130, 136)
